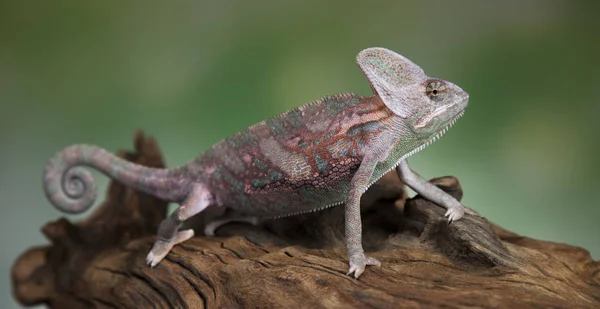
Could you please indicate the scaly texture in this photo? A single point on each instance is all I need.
(321, 154)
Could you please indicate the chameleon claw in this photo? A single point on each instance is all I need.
(152, 260)
(373, 262)
(161, 248)
(353, 268)
(456, 213)
(359, 263)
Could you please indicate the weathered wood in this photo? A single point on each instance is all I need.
(300, 262)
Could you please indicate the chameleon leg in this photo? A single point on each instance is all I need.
(210, 228)
(356, 255)
(168, 234)
(455, 210)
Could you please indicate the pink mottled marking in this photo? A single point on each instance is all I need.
(210, 169)
(247, 158)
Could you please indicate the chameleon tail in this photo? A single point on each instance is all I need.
(71, 189)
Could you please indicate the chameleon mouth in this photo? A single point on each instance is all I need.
(439, 134)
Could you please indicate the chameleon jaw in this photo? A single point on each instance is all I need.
(426, 119)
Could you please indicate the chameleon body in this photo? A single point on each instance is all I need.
(321, 154)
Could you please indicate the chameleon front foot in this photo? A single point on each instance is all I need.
(358, 262)
(162, 247)
(456, 212)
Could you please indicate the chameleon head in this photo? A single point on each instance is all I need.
(442, 103)
(428, 105)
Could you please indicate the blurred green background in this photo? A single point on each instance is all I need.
(190, 73)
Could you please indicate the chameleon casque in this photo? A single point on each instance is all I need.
(324, 153)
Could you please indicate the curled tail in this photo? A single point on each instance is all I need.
(72, 189)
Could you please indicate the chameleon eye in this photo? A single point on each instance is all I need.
(435, 90)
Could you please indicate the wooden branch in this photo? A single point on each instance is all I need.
(300, 262)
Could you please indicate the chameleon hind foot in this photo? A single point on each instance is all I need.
(359, 262)
(161, 247)
(168, 230)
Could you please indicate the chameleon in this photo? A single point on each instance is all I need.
(321, 154)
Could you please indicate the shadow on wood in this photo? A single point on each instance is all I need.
(300, 262)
